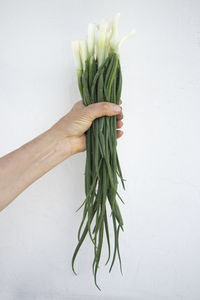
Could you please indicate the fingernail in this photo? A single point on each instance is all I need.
(117, 108)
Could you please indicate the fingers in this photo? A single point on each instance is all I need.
(119, 124)
(120, 116)
(119, 133)
(80, 105)
(101, 109)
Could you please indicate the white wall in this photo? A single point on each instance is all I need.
(159, 151)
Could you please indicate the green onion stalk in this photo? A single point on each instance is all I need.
(100, 79)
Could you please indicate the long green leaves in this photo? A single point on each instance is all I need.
(100, 79)
(102, 168)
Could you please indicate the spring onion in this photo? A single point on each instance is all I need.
(100, 79)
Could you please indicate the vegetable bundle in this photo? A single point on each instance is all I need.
(100, 79)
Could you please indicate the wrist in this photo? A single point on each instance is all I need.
(67, 145)
(62, 146)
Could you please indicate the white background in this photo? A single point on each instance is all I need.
(159, 151)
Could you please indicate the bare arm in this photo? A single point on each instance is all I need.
(22, 167)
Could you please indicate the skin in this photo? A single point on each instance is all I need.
(21, 167)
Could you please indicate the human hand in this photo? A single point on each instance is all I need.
(74, 124)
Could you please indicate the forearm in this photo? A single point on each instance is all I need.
(23, 166)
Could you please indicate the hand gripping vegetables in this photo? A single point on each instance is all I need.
(100, 79)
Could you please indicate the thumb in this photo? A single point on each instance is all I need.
(101, 109)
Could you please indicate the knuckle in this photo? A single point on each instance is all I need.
(89, 111)
(105, 106)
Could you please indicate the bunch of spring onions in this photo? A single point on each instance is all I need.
(100, 79)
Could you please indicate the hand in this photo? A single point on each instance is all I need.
(74, 124)
(21, 167)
